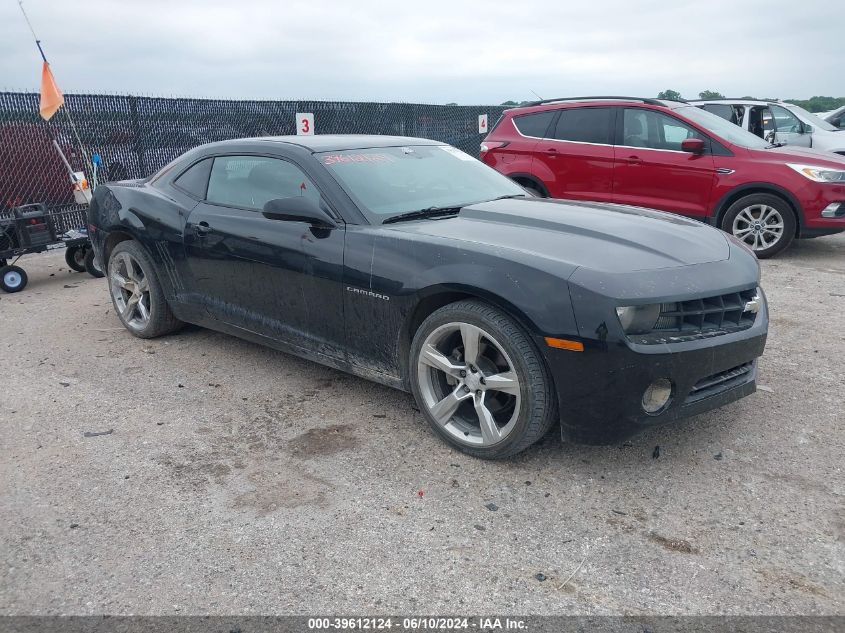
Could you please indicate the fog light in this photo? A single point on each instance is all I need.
(834, 210)
(657, 395)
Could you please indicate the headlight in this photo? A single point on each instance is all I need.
(638, 319)
(819, 174)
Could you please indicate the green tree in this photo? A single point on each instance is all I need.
(819, 104)
(710, 94)
(670, 95)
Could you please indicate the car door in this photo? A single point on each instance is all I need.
(277, 278)
(577, 155)
(788, 128)
(651, 169)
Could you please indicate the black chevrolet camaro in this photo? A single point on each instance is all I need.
(408, 262)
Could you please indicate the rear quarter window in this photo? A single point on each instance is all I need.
(536, 124)
(194, 181)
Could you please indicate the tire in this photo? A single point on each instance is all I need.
(455, 404)
(13, 278)
(75, 258)
(91, 264)
(755, 219)
(133, 282)
(534, 191)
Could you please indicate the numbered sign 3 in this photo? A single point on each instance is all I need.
(482, 124)
(305, 124)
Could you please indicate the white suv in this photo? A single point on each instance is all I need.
(779, 122)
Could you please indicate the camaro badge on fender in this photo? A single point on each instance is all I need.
(368, 293)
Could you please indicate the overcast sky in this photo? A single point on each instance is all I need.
(429, 51)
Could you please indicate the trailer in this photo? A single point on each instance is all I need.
(33, 228)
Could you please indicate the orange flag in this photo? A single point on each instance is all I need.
(51, 97)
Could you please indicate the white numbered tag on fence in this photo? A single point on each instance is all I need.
(305, 124)
(482, 124)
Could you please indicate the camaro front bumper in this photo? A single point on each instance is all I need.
(600, 390)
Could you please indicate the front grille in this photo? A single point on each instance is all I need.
(700, 318)
(720, 382)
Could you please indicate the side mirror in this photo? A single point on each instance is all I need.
(693, 145)
(298, 209)
(807, 128)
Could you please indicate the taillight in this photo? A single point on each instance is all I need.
(486, 146)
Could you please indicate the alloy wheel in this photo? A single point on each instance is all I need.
(469, 384)
(760, 226)
(130, 290)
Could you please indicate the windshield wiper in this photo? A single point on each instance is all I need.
(436, 212)
(429, 212)
(513, 195)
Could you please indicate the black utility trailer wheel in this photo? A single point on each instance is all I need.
(91, 264)
(12, 278)
(75, 258)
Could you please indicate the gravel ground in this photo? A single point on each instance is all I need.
(202, 474)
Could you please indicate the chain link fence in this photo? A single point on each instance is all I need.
(136, 136)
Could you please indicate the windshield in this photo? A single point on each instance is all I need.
(387, 181)
(722, 128)
(812, 119)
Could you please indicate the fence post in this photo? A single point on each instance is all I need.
(136, 136)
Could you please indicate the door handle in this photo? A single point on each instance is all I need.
(551, 150)
(634, 160)
(202, 228)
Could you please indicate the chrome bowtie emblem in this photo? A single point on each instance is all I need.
(753, 305)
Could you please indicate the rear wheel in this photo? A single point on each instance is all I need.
(13, 278)
(480, 382)
(92, 265)
(136, 293)
(75, 258)
(766, 223)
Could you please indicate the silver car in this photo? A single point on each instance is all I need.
(779, 122)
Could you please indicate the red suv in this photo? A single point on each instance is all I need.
(672, 156)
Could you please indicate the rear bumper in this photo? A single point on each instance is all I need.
(600, 390)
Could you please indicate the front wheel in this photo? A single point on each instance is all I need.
(766, 223)
(480, 382)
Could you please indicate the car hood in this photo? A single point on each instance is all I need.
(815, 156)
(602, 237)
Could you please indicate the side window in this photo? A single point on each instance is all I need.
(584, 125)
(194, 181)
(534, 124)
(727, 112)
(655, 130)
(252, 181)
(785, 121)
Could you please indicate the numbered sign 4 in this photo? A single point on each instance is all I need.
(482, 124)
(305, 124)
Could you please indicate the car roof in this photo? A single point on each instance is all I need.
(334, 142)
(547, 104)
(739, 102)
